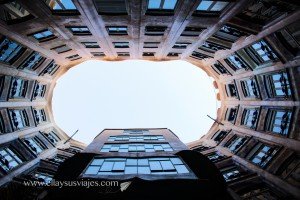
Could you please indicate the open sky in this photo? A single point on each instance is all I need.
(96, 95)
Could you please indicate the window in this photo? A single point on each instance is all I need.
(9, 159)
(123, 54)
(181, 45)
(199, 56)
(73, 57)
(229, 33)
(32, 62)
(235, 143)
(250, 117)
(215, 157)
(264, 11)
(98, 54)
(2, 125)
(19, 118)
(34, 144)
(9, 50)
(117, 30)
(42, 177)
(258, 191)
(278, 85)
(263, 154)
(173, 54)
(43, 36)
(136, 138)
(151, 45)
(39, 115)
(58, 159)
(137, 147)
(231, 174)
(52, 137)
(236, 62)
(136, 131)
(155, 30)
(192, 31)
(61, 49)
(290, 37)
(212, 7)
(219, 68)
(13, 12)
(200, 148)
(18, 88)
(51, 68)
(250, 88)
(211, 47)
(61, 5)
(278, 121)
(148, 54)
(231, 115)
(161, 7)
(261, 53)
(120, 166)
(90, 44)
(79, 30)
(232, 91)
(121, 44)
(111, 7)
(219, 136)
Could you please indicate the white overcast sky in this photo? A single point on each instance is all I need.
(134, 94)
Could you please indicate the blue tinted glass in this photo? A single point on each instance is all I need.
(169, 4)
(204, 5)
(154, 4)
(67, 5)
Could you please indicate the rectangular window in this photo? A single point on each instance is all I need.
(192, 31)
(39, 115)
(181, 45)
(39, 90)
(210, 7)
(123, 54)
(219, 68)
(98, 54)
(117, 30)
(155, 30)
(73, 57)
(278, 85)
(200, 148)
(122, 166)
(34, 144)
(263, 154)
(219, 136)
(231, 114)
(199, 56)
(79, 30)
(236, 62)
(136, 131)
(13, 12)
(235, 143)
(18, 88)
(42, 177)
(148, 54)
(9, 50)
(137, 147)
(52, 137)
(161, 7)
(151, 45)
(173, 54)
(43, 36)
(215, 157)
(261, 53)
(230, 33)
(61, 5)
(18, 118)
(33, 61)
(90, 44)
(250, 117)
(111, 7)
(232, 91)
(250, 88)
(231, 174)
(211, 47)
(136, 138)
(279, 121)
(51, 68)
(9, 159)
(121, 44)
(61, 49)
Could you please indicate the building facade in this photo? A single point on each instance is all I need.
(250, 47)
